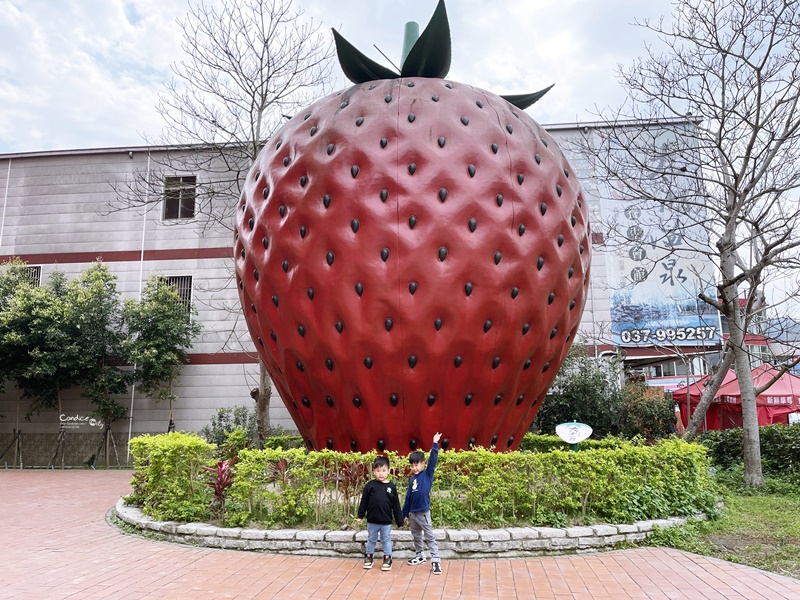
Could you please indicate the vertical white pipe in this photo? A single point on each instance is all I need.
(141, 275)
(5, 201)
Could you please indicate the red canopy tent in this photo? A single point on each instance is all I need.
(725, 412)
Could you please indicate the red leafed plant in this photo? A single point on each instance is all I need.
(220, 479)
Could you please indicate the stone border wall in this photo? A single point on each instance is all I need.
(453, 543)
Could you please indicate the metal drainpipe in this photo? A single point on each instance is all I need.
(5, 201)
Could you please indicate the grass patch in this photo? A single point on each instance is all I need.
(761, 531)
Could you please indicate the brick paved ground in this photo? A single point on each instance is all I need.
(55, 543)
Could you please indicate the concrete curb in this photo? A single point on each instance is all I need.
(453, 543)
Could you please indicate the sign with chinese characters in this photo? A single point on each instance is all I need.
(573, 433)
(657, 267)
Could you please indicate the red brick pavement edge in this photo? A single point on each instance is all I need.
(56, 543)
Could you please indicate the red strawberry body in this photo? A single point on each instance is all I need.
(444, 233)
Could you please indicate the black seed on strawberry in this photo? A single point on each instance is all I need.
(384, 195)
(438, 324)
(473, 224)
(520, 399)
(272, 335)
(300, 366)
(281, 211)
(313, 131)
(479, 104)
(326, 200)
(525, 328)
(412, 361)
(494, 440)
(581, 249)
(560, 240)
(449, 86)
(385, 254)
(499, 199)
(301, 330)
(412, 168)
(497, 400)
(521, 229)
(388, 323)
(329, 364)
(387, 99)
(357, 402)
(551, 298)
(329, 401)
(251, 223)
(494, 148)
(544, 141)
(412, 444)
(445, 443)
(465, 120)
(329, 258)
(384, 142)
(442, 253)
(242, 253)
(410, 84)
(286, 161)
(574, 220)
(353, 445)
(303, 231)
(570, 273)
(572, 304)
(510, 441)
(487, 325)
(354, 225)
(354, 171)
(411, 117)
(278, 145)
(412, 287)
(431, 400)
(471, 170)
(330, 149)
(329, 444)
(457, 362)
(264, 193)
(545, 367)
(468, 288)
(472, 441)
(343, 104)
(559, 191)
(537, 158)
(275, 300)
(368, 362)
(496, 362)
(359, 121)
(520, 178)
(527, 365)
(381, 445)
(305, 118)
(441, 141)
(394, 399)
(514, 293)
(435, 98)
(339, 326)
(260, 342)
(285, 266)
(497, 257)
(306, 402)
(359, 289)
(412, 221)
(509, 128)
(467, 399)
(543, 208)
(442, 194)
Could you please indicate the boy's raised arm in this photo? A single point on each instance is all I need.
(434, 456)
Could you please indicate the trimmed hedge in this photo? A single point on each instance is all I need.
(780, 448)
(621, 482)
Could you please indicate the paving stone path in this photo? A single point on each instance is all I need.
(55, 543)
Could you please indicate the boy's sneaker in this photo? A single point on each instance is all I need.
(368, 561)
(387, 563)
(417, 560)
(436, 568)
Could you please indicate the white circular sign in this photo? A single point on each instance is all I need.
(574, 432)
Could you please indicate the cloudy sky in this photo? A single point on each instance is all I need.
(87, 73)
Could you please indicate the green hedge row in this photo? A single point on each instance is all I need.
(296, 488)
(780, 448)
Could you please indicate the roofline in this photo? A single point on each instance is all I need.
(164, 147)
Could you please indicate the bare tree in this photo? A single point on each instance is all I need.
(248, 65)
(707, 148)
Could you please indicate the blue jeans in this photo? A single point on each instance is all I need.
(385, 531)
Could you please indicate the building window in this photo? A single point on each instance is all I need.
(179, 194)
(35, 275)
(183, 285)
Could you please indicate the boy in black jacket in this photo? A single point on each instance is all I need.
(380, 503)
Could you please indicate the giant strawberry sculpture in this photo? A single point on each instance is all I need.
(412, 257)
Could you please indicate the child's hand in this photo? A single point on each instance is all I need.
(358, 521)
(436, 438)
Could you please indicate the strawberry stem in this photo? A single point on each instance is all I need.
(410, 36)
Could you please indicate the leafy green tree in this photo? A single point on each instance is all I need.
(647, 411)
(583, 392)
(160, 333)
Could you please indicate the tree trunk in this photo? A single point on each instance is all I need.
(263, 395)
(751, 439)
(707, 396)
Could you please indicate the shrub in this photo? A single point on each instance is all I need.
(168, 483)
(226, 420)
(617, 481)
(646, 412)
(780, 448)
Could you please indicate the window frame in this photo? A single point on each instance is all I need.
(179, 197)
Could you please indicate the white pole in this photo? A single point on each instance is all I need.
(5, 201)
(141, 275)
